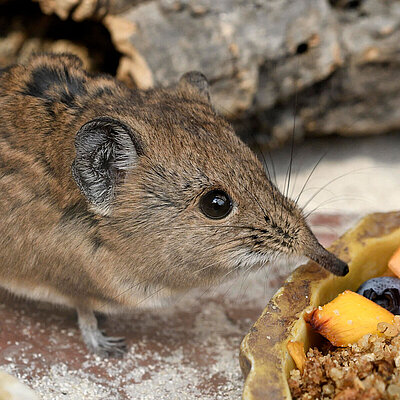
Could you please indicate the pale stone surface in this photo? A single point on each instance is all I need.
(12, 389)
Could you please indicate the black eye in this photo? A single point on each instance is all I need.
(216, 204)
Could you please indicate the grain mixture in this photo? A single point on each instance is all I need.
(366, 370)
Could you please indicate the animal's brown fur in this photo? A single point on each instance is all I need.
(151, 235)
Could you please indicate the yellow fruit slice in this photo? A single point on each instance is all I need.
(296, 350)
(347, 318)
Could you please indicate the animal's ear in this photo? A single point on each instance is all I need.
(105, 150)
(196, 81)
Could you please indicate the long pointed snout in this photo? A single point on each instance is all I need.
(326, 259)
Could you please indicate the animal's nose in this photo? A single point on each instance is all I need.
(329, 261)
(316, 252)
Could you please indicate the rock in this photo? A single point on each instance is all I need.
(26, 30)
(12, 389)
(80, 10)
(336, 62)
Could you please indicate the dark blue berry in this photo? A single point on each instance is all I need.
(384, 291)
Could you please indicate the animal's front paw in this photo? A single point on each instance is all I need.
(103, 345)
(96, 341)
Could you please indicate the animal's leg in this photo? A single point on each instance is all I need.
(94, 339)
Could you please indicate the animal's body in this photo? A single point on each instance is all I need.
(109, 195)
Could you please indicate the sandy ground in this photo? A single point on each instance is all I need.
(190, 349)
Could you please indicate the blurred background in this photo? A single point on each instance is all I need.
(311, 84)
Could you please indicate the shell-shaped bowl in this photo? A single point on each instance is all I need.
(264, 358)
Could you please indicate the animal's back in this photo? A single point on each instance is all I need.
(41, 109)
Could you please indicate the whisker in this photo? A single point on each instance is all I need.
(229, 242)
(246, 274)
(275, 182)
(269, 174)
(185, 228)
(263, 158)
(273, 165)
(289, 171)
(334, 180)
(317, 188)
(197, 271)
(265, 164)
(327, 227)
(339, 198)
(265, 281)
(233, 282)
(255, 198)
(296, 176)
(309, 177)
(150, 296)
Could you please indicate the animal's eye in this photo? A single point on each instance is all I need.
(215, 204)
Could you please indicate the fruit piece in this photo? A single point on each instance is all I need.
(296, 350)
(394, 262)
(264, 357)
(348, 318)
(384, 291)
